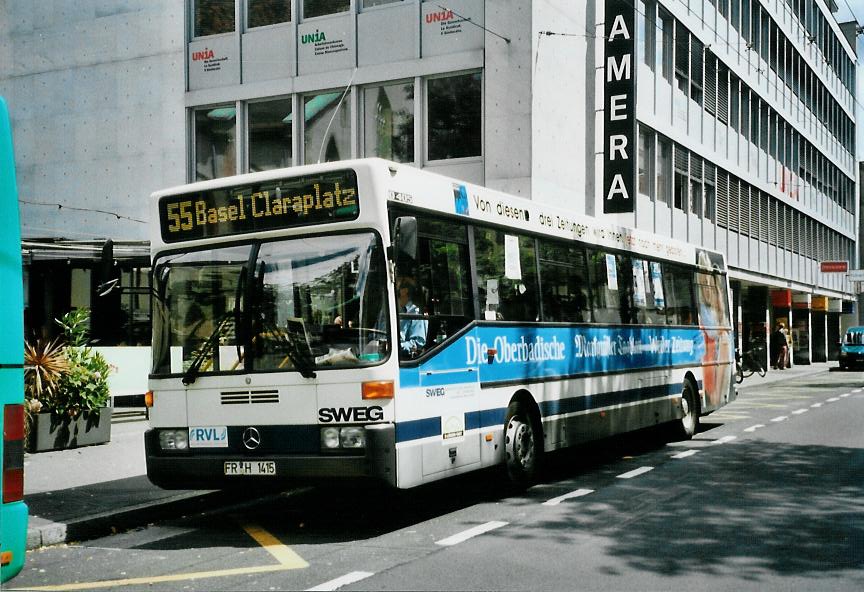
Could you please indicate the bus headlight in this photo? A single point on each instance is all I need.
(352, 437)
(329, 438)
(174, 439)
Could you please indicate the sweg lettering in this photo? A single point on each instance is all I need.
(350, 414)
(207, 54)
(538, 350)
(316, 37)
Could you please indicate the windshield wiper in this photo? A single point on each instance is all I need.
(191, 373)
(301, 357)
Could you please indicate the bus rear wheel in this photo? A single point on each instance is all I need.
(522, 445)
(688, 425)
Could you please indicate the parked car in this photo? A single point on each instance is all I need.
(852, 348)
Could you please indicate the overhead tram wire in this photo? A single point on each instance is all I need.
(60, 206)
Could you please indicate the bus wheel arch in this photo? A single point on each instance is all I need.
(523, 439)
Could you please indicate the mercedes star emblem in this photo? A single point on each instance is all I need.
(251, 438)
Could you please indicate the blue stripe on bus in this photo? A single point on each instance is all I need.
(418, 428)
(426, 428)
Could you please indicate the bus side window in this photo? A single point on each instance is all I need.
(513, 298)
(678, 286)
(564, 282)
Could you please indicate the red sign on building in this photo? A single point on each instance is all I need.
(834, 266)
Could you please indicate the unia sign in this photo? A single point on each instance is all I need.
(619, 125)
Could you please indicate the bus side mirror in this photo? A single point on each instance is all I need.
(405, 239)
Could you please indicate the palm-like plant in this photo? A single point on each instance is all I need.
(44, 365)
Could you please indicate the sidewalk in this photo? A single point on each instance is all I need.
(788, 374)
(93, 491)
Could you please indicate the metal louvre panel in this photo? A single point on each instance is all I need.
(696, 167)
(743, 209)
(774, 222)
(681, 159)
(723, 200)
(723, 94)
(710, 94)
(249, 397)
(763, 216)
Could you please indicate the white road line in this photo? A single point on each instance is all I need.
(723, 440)
(781, 418)
(354, 576)
(857, 391)
(844, 395)
(635, 472)
(685, 454)
(814, 405)
(470, 533)
(800, 411)
(557, 500)
(832, 400)
(754, 428)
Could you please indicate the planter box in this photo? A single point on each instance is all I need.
(58, 432)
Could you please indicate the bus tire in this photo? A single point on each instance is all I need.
(523, 444)
(688, 425)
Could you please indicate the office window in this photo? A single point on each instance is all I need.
(327, 128)
(664, 170)
(665, 44)
(215, 145)
(454, 116)
(212, 17)
(646, 162)
(389, 121)
(270, 135)
(268, 12)
(313, 8)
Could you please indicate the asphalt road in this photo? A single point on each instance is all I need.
(768, 496)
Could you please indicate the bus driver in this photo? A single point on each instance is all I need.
(412, 331)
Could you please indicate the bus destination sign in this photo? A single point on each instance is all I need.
(268, 205)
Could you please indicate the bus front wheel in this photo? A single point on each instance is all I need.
(523, 444)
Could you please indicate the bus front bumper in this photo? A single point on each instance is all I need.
(191, 470)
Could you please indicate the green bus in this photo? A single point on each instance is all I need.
(13, 510)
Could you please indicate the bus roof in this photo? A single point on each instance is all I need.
(415, 188)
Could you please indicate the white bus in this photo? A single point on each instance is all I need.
(365, 319)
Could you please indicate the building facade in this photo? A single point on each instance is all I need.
(738, 117)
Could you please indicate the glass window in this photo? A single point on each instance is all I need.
(313, 8)
(268, 12)
(300, 305)
(326, 137)
(649, 299)
(454, 116)
(713, 299)
(611, 287)
(646, 162)
(506, 276)
(664, 170)
(135, 306)
(370, 3)
(213, 17)
(215, 146)
(564, 281)
(389, 121)
(443, 287)
(678, 290)
(270, 135)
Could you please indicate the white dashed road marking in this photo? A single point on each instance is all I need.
(800, 411)
(685, 454)
(635, 472)
(754, 428)
(815, 405)
(844, 395)
(354, 576)
(832, 400)
(723, 440)
(781, 418)
(470, 533)
(557, 500)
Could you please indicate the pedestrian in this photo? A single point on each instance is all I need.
(779, 347)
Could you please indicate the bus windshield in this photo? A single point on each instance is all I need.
(299, 304)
